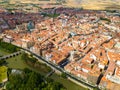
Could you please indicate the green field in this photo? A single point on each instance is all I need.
(18, 63)
(67, 83)
(3, 52)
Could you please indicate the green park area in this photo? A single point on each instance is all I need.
(67, 83)
(18, 62)
(3, 52)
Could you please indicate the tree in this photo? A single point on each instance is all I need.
(63, 75)
(3, 73)
(2, 62)
(8, 47)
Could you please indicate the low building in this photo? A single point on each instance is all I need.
(8, 39)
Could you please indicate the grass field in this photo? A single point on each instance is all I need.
(18, 63)
(66, 83)
(3, 52)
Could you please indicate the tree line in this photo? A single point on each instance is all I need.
(29, 80)
(33, 62)
(8, 47)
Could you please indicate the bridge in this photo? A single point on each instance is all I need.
(10, 55)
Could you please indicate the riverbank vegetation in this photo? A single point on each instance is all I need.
(33, 62)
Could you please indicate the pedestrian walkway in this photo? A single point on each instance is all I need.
(10, 55)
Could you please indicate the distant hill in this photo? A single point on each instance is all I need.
(86, 4)
(29, 1)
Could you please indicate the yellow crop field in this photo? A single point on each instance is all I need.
(95, 4)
